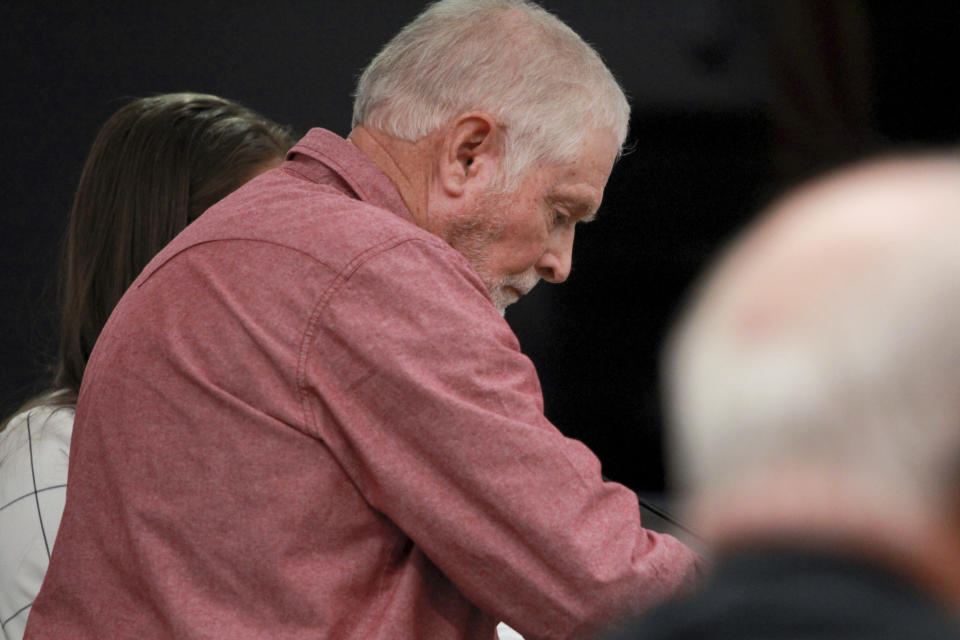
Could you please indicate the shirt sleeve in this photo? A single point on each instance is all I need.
(419, 387)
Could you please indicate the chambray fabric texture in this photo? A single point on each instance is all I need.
(33, 484)
(307, 419)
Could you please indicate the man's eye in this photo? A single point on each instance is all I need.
(560, 218)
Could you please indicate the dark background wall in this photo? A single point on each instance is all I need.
(733, 100)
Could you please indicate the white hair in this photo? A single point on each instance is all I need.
(864, 384)
(510, 58)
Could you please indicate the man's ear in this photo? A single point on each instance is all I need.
(470, 153)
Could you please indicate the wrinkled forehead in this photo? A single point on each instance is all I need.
(821, 239)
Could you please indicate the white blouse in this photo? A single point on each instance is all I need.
(34, 449)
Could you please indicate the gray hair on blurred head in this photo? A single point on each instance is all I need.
(861, 379)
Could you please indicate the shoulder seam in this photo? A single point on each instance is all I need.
(342, 277)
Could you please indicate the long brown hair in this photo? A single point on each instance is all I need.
(154, 167)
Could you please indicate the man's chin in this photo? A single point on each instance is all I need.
(511, 289)
(503, 297)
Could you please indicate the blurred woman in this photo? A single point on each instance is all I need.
(154, 167)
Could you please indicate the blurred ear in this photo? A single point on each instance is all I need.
(470, 154)
(946, 558)
(955, 504)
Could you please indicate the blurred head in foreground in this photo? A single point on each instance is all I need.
(814, 382)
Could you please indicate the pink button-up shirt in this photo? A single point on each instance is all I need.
(306, 419)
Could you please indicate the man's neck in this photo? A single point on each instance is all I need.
(405, 163)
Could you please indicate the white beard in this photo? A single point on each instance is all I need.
(472, 235)
(511, 288)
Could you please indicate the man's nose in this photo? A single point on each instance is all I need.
(555, 263)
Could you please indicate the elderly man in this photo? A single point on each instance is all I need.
(307, 417)
(816, 416)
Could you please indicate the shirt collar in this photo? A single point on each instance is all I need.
(321, 155)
